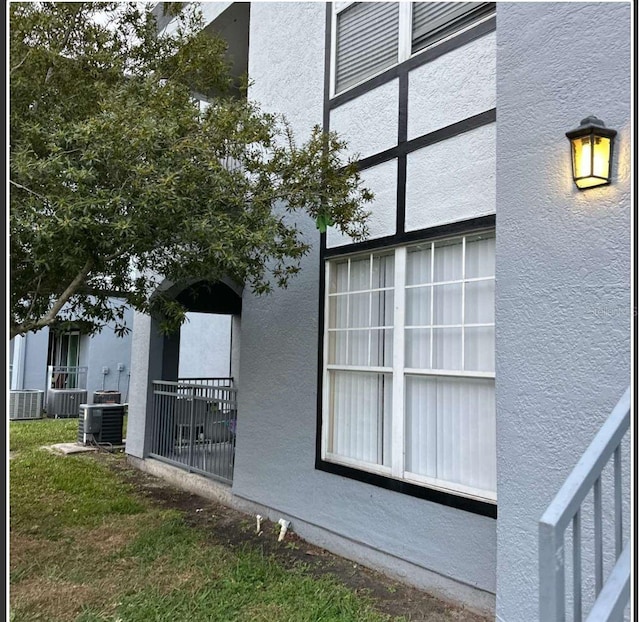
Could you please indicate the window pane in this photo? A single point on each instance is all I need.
(447, 348)
(366, 41)
(382, 273)
(417, 348)
(448, 260)
(418, 306)
(339, 277)
(479, 299)
(360, 416)
(337, 348)
(466, 446)
(450, 425)
(447, 304)
(479, 349)
(337, 312)
(419, 265)
(421, 426)
(358, 347)
(382, 347)
(480, 256)
(359, 310)
(382, 308)
(360, 274)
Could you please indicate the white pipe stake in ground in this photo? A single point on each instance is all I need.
(259, 520)
(284, 525)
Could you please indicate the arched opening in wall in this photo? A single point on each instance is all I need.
(193, 421)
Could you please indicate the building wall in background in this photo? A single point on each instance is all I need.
(103, 349)
(205, 346)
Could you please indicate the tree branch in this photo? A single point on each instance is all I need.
(65, 41)
(17, 185)
(50, 317)
(20, 63)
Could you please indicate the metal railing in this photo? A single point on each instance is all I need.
(193, 425)
(218, 381)
(612, 596)
(63, 377)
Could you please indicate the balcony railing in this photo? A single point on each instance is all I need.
(193, 425)
(64, 377)
(611, 596)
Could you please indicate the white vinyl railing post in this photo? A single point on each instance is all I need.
(612, 595)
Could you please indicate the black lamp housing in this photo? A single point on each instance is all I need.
(591, 153)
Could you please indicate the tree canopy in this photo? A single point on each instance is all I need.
(119, 176)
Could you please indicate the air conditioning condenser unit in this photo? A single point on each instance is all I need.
(25, 404)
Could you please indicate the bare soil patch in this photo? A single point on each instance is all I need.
(233, 529)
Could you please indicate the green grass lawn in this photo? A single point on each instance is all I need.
(85, 547)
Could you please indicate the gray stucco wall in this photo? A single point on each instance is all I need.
(35, 361)
(106, 349)
(277, 403)
(147, 347)
(563, 265)
(205, 346)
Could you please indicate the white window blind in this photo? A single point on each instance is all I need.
(360, 332)
(366, 41)
(432, 21)
(445, 326)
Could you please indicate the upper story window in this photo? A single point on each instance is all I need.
(366, 42)
(370, 37)
(433, 21)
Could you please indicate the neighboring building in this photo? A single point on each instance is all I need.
(99, 362)
(415, 401)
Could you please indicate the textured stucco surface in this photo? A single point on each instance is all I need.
(454, 86)
(563, 265)
(106, 349)
(35, 360)
(452, 180)
(146, 366)
(276, 432)
(369, 123)
(382, 180)
(205, 346)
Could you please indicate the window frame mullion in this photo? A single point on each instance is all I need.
(327, 418)
(405, 33)
(397, 414)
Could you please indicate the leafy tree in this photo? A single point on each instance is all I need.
(117, 176)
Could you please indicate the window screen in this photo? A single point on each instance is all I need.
(434, 20)
(367, 41)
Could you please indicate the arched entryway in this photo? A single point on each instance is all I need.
(190, 420)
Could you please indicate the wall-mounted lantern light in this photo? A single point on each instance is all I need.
(591, 149)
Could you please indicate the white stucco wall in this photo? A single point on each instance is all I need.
(452, 180)
(562, 268)
(369, 123)
(453, 87)
(382, 180)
